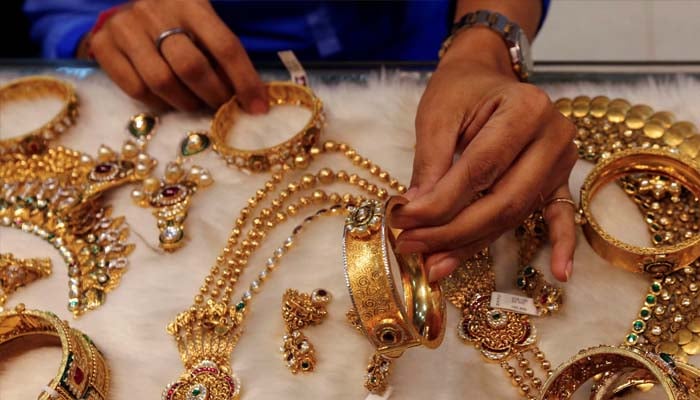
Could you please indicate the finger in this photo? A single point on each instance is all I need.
(195, 71)
(511, 127)
(230, 54)
(442, 264)
(119, 69)
(562, 234)
(513, 197)
(154, 71)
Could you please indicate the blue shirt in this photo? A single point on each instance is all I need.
(315, 30)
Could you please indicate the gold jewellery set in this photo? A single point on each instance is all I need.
(56, 193)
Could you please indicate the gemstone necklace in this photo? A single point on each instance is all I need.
(208, 331)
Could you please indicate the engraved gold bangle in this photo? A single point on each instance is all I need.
(31, 88)
(392, 322)
(83, 374)
(260, 160)
(676, 379)
(653, 260)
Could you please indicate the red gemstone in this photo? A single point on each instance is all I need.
(171, 191)
(104, 168)
(78, 376)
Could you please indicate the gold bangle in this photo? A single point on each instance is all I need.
(261, 160)
(391, 325)
(31, 88)
(677, 379)
(653, 260)
(83, 373)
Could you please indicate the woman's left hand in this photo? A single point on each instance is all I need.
(513, 145)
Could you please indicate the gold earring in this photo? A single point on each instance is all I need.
(300, 310)
(170, 197)
(16, 272)
(532, 234)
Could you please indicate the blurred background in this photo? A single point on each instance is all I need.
(576, 30)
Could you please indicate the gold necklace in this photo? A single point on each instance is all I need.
(669, 318)
(208, 331)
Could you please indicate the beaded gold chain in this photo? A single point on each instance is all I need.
(208, 331)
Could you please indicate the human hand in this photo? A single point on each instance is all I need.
(184, 74)
(512, 144)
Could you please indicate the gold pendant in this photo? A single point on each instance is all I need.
(206, 381)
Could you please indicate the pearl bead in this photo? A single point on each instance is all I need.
(151, 184)
(173, 172)
(142, 169)
(137, 195)
(129, 150)
(105, 153)
(205, 180)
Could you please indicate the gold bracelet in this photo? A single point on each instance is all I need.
(390, 326)
(653, 260)
(677, 380)
(83, 373)
(274, 157)
(31, 88)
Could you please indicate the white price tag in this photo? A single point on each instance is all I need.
(385, 396)
(296, 71)
(514, 303)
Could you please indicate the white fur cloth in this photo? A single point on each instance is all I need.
(377, 119)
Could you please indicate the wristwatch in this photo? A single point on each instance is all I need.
(513, 35)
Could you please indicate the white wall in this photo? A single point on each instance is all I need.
(605, 30)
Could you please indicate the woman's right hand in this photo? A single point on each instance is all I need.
(186, 74)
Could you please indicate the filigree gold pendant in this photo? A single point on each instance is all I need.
(498, 334)
(206, 381)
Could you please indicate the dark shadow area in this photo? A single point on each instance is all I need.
(14, 31)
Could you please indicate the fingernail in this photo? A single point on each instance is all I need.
(442, 268)
(569, 269)
(411, 246)
(258, 106)
(411, 193)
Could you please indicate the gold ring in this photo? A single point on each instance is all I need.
(32, 88)
(653, 260)
(392, 322)
(561, 200)
(83, 373)
(260, 160)
(677, 379)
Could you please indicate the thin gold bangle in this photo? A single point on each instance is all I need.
(31, 88)
(652, 260)
(676, 379)
(83, 373)
(391, 322)
(269, 158)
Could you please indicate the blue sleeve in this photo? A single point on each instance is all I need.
(59, 25)
(545, 10)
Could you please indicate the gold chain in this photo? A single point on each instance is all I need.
(209, 330)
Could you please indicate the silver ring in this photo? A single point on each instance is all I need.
(169, 32)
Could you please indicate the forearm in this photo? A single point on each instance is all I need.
(484, 46)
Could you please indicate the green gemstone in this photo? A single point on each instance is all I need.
(529, 271)
(195, 142)
(196, 391)
(521, 282)
(240, 306)
(638, 325)
(658, 238)
(141, 125)
(644, 313)
(632, 338)
(656, 287)
(668, 359)
(496, 316)
(650, 299)
(305, 365)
